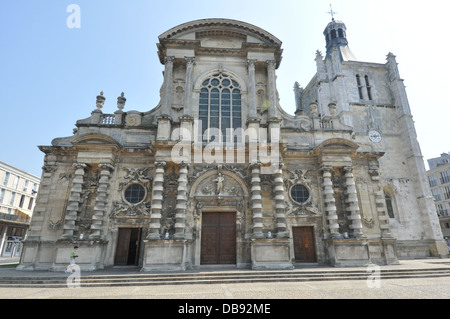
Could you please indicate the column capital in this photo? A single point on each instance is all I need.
(106, 166)
(183, 164)
(256, 164)
(348, 169)
(326, 168)
(190, 60)
(251, 64)
(271, 64)
(79, 165)
(169, 60)
(160, 164)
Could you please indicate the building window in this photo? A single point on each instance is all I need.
(30, 204)
(440, 210)
(300, 193)
(2, 195)
(12, 198)
(22, 200)
(25, 185)
(16, 182)
(135, 194)
(6, 178)
(389, 204)
(445, 177)
(447, 192)
(358, 81)
(436, 194)
(219, 108)
(432, 180)
(369, 93)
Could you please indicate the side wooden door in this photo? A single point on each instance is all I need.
(304, 247)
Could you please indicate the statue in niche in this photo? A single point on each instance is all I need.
(219, 182)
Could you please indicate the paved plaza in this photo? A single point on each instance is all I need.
(423, 288)
(407, 288)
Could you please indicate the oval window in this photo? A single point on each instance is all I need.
(134, 194)
(299, 193)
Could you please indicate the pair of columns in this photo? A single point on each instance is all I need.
(256, 201)
(75, 200)
(157, 201)
(352, 202)
(168, 83)
(271, 88)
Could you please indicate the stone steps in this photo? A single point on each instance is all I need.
(215, 277)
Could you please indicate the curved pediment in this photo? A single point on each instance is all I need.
(338, 144)
(220, 27)
(95, 139)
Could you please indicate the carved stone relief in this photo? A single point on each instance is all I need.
(124, 209)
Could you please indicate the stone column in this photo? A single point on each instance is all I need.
(280, 206)
(256, 200)
(74, 201)
(168, 83)
(180, 215)
(190, 62)
(271, 88)
(352, 201)
(157, 199)
(100, 201)
(380, 201)
(330, 202)
(252, 113)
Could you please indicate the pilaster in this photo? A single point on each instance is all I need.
(252, 89)
(330, 208)
(168, 83)
(280, 206)
(100, 201)
(190, 62)
(74, 201)
(256, 200)
(157, 199)
(181, 206)
(352, 201)
(271, 88)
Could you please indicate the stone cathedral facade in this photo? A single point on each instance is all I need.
(219, 174)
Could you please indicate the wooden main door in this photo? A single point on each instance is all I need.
(304, 248)
(128, 243)
(218, 238)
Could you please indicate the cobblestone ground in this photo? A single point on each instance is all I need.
(424, 288)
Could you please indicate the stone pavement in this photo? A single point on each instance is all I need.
(410, 288)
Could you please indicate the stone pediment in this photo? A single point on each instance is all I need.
(220, 27)
(218, 36)
(95, 139)
(337, 144)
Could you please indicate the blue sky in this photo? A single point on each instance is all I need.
(50, 74)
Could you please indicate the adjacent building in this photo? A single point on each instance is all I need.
(219, 174)
(18, 191)
(439, 179)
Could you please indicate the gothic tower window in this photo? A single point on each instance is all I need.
(369, 93)
(358, 82)
(219, 107)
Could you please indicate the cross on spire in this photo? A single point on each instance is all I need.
(332, 13)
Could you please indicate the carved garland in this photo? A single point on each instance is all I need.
(124, 209)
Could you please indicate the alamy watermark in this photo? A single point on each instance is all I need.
(73, 21)
(232, 146)
(74, 279)
(374, 279)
